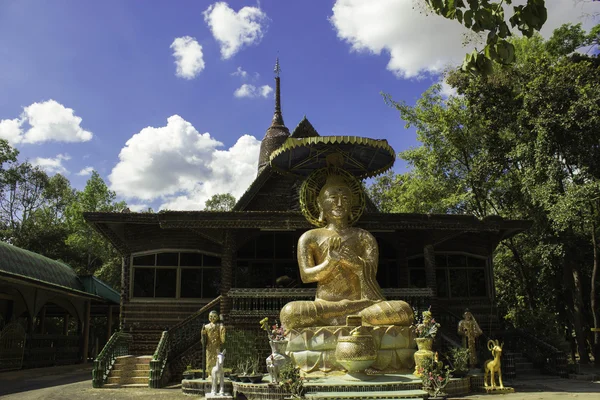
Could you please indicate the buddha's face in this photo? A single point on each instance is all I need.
(213, 317)
(335, 202)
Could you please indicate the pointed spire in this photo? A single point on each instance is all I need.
(277, 116)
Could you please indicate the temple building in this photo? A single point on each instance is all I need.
(243, 262)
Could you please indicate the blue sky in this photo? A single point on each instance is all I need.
(160, 138)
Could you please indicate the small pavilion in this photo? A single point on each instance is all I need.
(48, 314)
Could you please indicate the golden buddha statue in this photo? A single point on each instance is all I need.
(213, 338)
(343, 261)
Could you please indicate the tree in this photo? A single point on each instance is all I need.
(96, 255)
(520, 143)
(220, 202)
(482, 16)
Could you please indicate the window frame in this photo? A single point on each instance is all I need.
(178, 267)
(446, 270)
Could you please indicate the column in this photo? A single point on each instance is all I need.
(430, 278)
(125, 280)
(86, 331)
(228, 260)
(109, 322)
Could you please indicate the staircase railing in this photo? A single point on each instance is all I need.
(175, 341)
(117, 345)
(543, 355)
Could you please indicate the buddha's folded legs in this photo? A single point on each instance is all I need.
(300, 314)
(394, 312)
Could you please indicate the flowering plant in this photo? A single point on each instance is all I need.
(434, 375)
(275, 332)
(425, 326)
(291, 381)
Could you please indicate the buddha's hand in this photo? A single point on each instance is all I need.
(333, 249)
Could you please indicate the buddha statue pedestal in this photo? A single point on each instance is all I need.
(313, 349)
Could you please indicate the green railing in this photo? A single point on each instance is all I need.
(175, 342)
(118, 345)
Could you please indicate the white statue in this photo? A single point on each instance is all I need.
(218, 376)
(275, 362)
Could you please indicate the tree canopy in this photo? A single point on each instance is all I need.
(521, 143)
(220, 202)
(45, 215)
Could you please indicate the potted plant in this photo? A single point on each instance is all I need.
(425, 328)
(255, 375)
(459, 358)
(434, 377)
(188, 373)
(276, 335)
(291, 382)
(244, 369)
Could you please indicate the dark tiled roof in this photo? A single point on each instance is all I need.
(22, 262)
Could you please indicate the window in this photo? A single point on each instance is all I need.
(457, 275)
(268, 260)
(460, 275)
(181, 275)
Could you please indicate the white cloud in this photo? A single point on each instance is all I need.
(181, 167)
(265, 90)
(235, 30)
(240, 72)
(43, 122)
(251, 91)
(138, 207)
(52, 165)
(418, 43)
(10, 129)
(447, 90)
(188, 57)
(85, 171)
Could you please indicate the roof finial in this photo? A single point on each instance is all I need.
(277, 69)
(277, 117)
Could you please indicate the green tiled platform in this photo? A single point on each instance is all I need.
(388, 386)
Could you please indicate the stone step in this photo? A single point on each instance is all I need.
(129, 360)
(380, 395)
(127, 385)
(128, 379)
(129, 372)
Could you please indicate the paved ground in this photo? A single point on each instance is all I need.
(74, 383)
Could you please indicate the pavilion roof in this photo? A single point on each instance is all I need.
(24, 265)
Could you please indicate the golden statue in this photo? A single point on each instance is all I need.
(213, 337)
(343, 261)
(493, 366)
(469, 329)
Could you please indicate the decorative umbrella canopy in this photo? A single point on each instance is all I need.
(362, 157)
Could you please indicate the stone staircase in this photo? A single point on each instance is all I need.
(523, 366)
(129, 371)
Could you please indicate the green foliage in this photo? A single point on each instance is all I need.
(485, 16)
(434, 375)
(96, 253)
(291, 381)
(220, 202)
(459, 357)
(45, 215)
(521, 143)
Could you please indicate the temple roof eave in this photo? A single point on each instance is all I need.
(295, 220)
